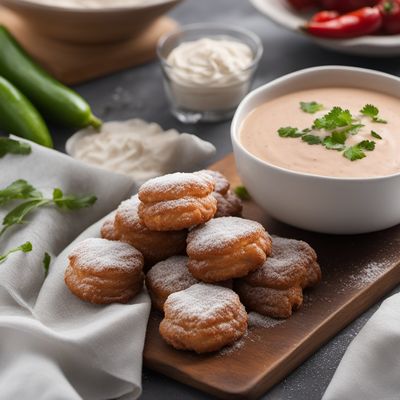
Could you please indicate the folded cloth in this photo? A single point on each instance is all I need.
(53, 345)
(370, 367)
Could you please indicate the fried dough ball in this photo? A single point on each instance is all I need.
(177, 201)
(102, 271)
(226, 248)
(203, 318)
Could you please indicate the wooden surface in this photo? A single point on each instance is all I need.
(73, 63)
(357, 271)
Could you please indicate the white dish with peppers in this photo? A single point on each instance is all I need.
(322, 164)
(363, 27)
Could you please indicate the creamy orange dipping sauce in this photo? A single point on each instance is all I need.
(259, 133)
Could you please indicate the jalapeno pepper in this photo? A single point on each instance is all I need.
(390, 10)
(344, 6)
(362, 22)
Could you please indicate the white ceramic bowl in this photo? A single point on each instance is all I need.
(312, 202)
(89, 25)
(280, 12)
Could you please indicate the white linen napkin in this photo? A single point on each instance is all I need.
(370, 367)
(53, 345)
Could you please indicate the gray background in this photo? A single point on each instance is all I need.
(138, 93)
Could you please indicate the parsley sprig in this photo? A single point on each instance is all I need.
(12, 146)
(371, 111)
(356, 152)
(311, 107)
(22, 190)
(25, 248)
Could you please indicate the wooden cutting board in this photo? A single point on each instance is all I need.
(75, 63)
(357, 271)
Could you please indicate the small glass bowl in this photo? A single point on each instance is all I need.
(191, 103)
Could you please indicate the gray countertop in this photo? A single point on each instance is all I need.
(138, 93)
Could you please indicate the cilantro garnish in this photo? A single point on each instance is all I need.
(12, 146)
(371, 111)
(332, 144)
(376, 135)
(311, 107)
(356, 152)
(290, 132)
(336, 118)
(22, 190)
(242, 193)
(311, 139)
(25, 248)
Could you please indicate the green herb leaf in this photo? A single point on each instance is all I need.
(311, 139)
(242, 193)
(20, 189)
(290, 132)
(331, 144)
(371, 111)
(72, 202)
(336, 118)
(376, 135)
(367, 145)
(12, 146)
(311, 107)
(19, 213)
(352, 129)
(46, 263)
(26, 248)
(354, 153)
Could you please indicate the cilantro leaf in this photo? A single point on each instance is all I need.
(331, 144)
(336, 118)
(290, 132)
(311, 139)
(376, 135)
(25, 248)
(367, 145)
(354, 153)
(242, 193)
(19, 189)
(371, 111)
(72, 202)
(311, 107)
(352, 129)
(46, 263)
(12, 146)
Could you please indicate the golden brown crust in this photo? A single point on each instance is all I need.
(313, 276)
(227, 248)
(155, 246)
(108, 230)
(101, 271)
(271, 302)
(228, 205)
(222, 184)
(203, 318)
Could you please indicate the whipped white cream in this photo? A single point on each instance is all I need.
(209, 74)
(139, 149)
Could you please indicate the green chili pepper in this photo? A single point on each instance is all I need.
(54, 100)
(20, 117)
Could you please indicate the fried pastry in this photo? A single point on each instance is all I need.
(276, 288)
(102, 271)
(167, 277)
(271, 302)
(203, 318)
(222, 184)
(226, 248)
(228, 205)
(177, 201)
(155, 246)
(108, 230)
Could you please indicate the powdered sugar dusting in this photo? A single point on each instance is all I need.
(257, 320)
(202, 300)
(172, 274)
(103, 254)
(368, 274)
(128, 210)
(220, 232)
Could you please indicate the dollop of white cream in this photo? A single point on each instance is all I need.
(209, 74)
(139, 149)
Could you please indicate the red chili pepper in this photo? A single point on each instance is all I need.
(344, 6)
(324, 16)
(357, 23)
(390, 10)
(303, 4)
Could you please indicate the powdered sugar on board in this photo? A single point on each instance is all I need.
(102, 254)
(172, 274)
(220, 232)
(368, 274)
(257, 320)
